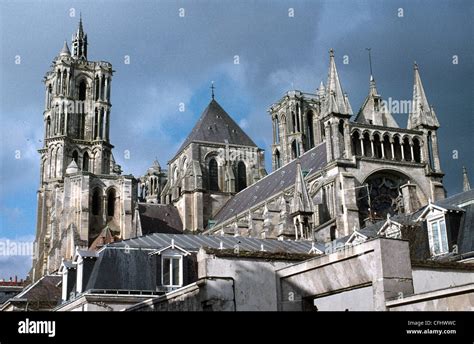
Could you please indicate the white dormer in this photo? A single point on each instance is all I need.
(390, 229)
(435, 217)
(356, 238)
(171, 265)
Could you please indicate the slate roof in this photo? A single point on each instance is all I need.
(120, 269)
(457, 199)
(44, 293)
(159, 218)
(272, 184)
(193, 242)
(215, 125)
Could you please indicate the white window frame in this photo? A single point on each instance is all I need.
(169, 256)
(438, 220)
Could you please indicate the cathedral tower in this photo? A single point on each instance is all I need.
(81, 190)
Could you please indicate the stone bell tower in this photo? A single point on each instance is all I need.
(81, 190)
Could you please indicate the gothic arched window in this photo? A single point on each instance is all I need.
(377, 147)
(277, 159)
(356, 149)
(75, 156)
(111, 203)
(96, 202)
(387, 147)
(213, 175)
(82, 90)
(294, 150)
(416, 150)
(85, 162)
(241, 176)
(407, 149)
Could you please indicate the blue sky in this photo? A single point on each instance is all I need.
(173, 60)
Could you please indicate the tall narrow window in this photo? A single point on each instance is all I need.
(356, 149)
(48, 127)
(82, 90)
(277, 130)
(294, 150)
(111, 203)
(171, 271)
(102, 89)
(406, 149)
(75, 156)
(293, 121)
(277, 159)
(310, 133)
(96, 202)
(341, 137)
(416, 150)
(430, 150)
(85, 162)
(96, 124)
(241, 176)
(213, 175)
(96, 86)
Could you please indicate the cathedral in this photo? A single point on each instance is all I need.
(335, 172)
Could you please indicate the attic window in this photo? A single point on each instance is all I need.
(172, 271)
(437, 235)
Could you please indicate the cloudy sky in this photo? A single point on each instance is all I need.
(176, 48)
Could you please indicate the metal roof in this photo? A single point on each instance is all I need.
(193, 242)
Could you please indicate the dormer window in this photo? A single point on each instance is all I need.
(172, 271)
(437, 236)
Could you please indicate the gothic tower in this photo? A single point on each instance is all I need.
(80, 184)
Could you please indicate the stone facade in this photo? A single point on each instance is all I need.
(216, 161)
(82, 191)
(373, 168)
(332, 175)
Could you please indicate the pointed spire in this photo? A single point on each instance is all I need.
(374, 111)
(79, 42)
(65, 50)
(301, 200)
(335, 100)
(321, 91)
(80, 29)
(421, 114)
(466, 186)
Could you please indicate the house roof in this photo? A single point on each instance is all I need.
(272, 184)
(45, 292)
(159, 218)
(127, 264)
(215, 125)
